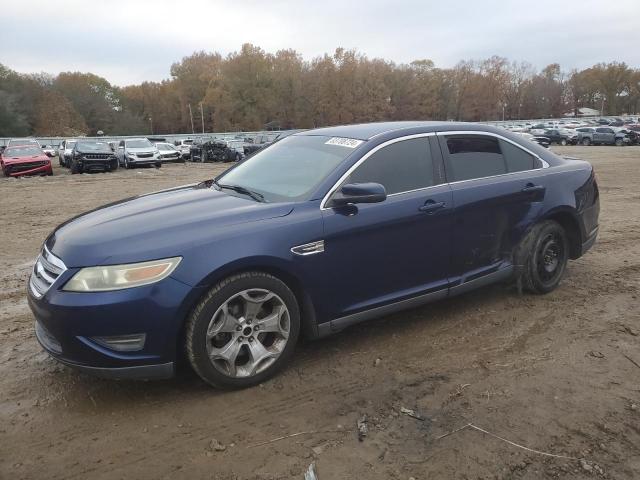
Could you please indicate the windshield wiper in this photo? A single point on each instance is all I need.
(258, 197)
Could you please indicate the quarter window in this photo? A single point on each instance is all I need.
(475, 156)
(400, 167)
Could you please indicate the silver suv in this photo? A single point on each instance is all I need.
(133, 152)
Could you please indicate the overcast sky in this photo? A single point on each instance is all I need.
(128, 41)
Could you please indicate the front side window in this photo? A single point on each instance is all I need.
(399, 167)
(475, 156)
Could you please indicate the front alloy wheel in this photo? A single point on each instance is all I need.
(248, 333)
(243, 330)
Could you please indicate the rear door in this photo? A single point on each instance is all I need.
(379, 253)
(498, 188)
(604, 135)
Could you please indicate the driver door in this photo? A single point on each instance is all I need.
(380, 253)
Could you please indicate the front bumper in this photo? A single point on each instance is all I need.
(144, 161)
(15, 170)
(101, 165)
(67, 324)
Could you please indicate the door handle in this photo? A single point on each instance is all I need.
(430, 206)
(531, 188)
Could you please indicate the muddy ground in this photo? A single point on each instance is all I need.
(558, 373)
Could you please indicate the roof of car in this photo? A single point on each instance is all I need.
(366, 131)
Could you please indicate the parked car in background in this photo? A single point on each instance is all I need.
(64, 152)
(259, 142)
(632, 135)
(216, 151)
(263, 141)
(90, 155)
(318, 232)
(557, 136)
(169, 152)
(135, 152)
(23, 160)
(603, 135)
(185, 147)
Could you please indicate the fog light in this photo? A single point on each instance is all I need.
(122, 343)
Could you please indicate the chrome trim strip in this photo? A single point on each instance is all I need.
(333, 189)
(54, 260)
(308, 248)
(46, 263)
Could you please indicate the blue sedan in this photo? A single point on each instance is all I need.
(321, 230)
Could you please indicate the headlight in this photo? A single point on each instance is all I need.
(117, 277)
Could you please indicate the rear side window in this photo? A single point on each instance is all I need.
(475, 156)
(400, 167)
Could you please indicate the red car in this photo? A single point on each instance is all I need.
(20, 160)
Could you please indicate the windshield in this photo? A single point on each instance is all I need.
(165, 146)
(142, 143)
(289, 169)
(23, 141)
(27, 151)
(95, 146)
(70, 144)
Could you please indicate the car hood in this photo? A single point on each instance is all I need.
(157, 225)
(141, 150)
(104, 151)
(35, 158)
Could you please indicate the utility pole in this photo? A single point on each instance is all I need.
(151, 122)
(202, 117)
(191, 116)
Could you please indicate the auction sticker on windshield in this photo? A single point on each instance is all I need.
(344, 142)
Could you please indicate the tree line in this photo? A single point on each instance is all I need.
(254, 90)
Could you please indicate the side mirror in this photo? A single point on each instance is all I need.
(353, 193)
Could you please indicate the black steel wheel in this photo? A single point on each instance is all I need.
(542, 257)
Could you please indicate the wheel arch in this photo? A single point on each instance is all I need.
(272, 266)
(568, 220)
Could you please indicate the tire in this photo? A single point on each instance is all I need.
(158, 164)
(127, 165)
(217, 326)
(563, 142)
(75, 168)
(238, 157)
(114, 165)
(586, 142)
(619, 142)
(542, 257)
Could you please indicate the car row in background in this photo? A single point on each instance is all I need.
(586, 132)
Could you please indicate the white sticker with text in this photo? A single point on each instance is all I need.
(344, 142)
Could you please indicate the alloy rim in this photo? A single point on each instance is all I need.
(247, 333)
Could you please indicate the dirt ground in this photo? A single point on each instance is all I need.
(558, 373)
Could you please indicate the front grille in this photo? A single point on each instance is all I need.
(97, 156)
(21, 167)
(144, 155)
(47, 340)
(46, 271)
